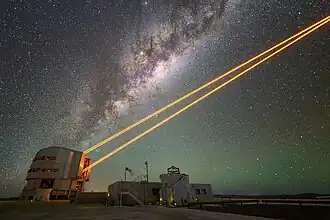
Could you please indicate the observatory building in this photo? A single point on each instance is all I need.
(56, 173)
(173, 189)
(176, 189)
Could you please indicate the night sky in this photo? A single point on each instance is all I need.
(75, 72)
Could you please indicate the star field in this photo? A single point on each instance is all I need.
(74, 73)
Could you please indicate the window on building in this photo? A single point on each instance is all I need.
(47, 183)
(35, 170)
(155, 191)
(198, 191)
(44, 158)
(204, 192)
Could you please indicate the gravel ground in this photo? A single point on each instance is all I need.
(37, 211)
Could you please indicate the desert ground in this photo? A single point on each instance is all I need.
(39, 211)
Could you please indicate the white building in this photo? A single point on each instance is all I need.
(176, 189)
(173, 190)
(56, 173)
(134, 193)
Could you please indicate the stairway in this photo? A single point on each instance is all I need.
(132, 195)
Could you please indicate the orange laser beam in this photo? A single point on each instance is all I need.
(201, 98)
(197, 90)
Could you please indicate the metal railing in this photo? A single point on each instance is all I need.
(128, 190)
(133, 196)
(302, 202)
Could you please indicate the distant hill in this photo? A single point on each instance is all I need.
(310, 194)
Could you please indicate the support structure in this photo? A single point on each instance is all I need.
(147, 171)
(146, 182)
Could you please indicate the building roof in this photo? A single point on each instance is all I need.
(56, 147)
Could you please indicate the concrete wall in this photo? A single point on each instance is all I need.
(203, 192)
(28, 194)
(91, 197)
(45, 164)
(64, 170)
(151, 190)
(33, 183)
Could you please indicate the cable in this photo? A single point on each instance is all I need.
(196, 90)
(200, 99)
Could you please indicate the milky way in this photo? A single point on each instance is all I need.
(143, 64)
(73, 74)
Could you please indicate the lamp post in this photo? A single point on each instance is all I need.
(147, 171)
(146, 182)
(121, 194)
(129, 170)
(125, 179)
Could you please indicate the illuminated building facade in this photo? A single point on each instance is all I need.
(177, 191)
(56, 173)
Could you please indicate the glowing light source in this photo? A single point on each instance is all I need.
(198, 89)
(206, 95)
